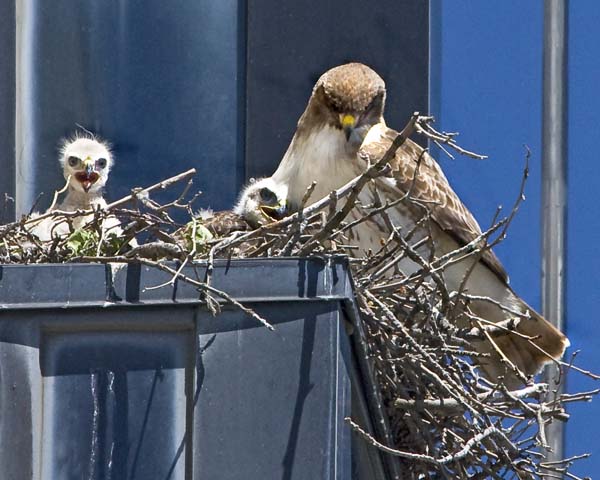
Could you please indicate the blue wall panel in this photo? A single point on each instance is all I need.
(486, 78)
(583, 235)
(487, 83)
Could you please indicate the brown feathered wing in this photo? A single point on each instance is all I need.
(431, 188)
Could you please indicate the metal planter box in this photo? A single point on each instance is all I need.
(103, 378)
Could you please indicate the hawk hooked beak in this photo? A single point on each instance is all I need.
(88, 176)
(88, 165)
(348, 123)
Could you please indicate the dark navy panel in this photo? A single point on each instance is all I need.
(115, 402)
(486, 72)
(109, 384)
(583, 234)
(7, 106)
(160, 80)
(20, 406)
(290, 44)
(166, 84)
(276, 415)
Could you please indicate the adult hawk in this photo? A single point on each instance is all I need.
(341, 131)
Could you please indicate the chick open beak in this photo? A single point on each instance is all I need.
(88, 176)
(274, 213)
(348, 123)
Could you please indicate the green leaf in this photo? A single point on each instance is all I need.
(82, 242)
(202, 237)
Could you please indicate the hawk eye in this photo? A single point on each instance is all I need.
(267, 195)
(101, 163)
(73, 161)
(375, 103)
(334, 106)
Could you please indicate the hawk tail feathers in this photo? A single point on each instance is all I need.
(535, 343)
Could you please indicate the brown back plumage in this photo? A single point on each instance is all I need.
(432, 187)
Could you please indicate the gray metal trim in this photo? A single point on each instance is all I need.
(114, 285)
(377, 414)
(554, 184)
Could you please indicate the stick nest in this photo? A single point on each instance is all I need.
(445, 420)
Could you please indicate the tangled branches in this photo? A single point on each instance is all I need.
(445, 418)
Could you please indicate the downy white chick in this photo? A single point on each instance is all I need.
(86, 162)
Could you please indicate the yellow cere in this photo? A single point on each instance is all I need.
(348, 121)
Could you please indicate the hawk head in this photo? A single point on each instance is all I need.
(86, 162)
(262, 201)
(350, 98)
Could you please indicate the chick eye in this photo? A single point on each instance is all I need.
(101, 163)
(73, 161)
(267, 195)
